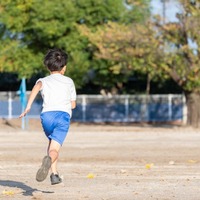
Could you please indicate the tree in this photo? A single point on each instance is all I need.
(29, 28)
(110, 70)
(15, 55)
(32, 27)
(129, 48)
(182, 55)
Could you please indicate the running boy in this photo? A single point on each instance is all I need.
(59, 98)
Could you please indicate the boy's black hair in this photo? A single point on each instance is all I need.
(55, 59)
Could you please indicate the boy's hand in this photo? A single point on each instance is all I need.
(24, 113)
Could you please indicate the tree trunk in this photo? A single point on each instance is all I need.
(148, 85)
(193, 107)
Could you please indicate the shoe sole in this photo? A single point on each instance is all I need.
(44, 169)
(55, 183)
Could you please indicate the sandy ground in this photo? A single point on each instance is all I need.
(103, 162)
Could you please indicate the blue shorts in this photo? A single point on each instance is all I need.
(55, 125)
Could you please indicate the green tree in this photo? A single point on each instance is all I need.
(30, 27)
(15, 54)
(110, 70)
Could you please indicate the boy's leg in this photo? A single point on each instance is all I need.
(54, 167)
(48, 161)
(54, 148)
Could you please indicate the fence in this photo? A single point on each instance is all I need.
(98, 108)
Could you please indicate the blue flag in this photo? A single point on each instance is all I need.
(22, 93)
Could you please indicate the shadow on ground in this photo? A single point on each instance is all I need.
(27, 190)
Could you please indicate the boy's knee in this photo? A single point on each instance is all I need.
(53, 153)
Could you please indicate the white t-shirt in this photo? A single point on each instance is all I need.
(57, 92)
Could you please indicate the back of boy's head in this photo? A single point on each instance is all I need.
(55, 59)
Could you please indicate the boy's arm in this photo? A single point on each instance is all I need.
(32, 96)
(73, 104)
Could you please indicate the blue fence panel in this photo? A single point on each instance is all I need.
(135, 112)
(77, 114)
(158, 112)
(4, 108)
(36, 108)
(177, 111)
(16, 108)
(98, 112)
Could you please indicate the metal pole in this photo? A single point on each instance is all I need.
(9, 105)
(185, 111)
(170, 107)
(84, 107)
(126, 108)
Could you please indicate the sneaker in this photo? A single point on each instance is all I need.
(44, 169)
(55, 179)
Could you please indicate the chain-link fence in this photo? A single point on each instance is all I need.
(98, 108)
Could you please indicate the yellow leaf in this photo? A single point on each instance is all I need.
(8, 192)
(90, 175)
(192, 161)
(149, 165)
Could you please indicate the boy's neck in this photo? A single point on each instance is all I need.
(55, 72)
(62, 71)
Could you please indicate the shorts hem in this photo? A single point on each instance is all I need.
(55, 139)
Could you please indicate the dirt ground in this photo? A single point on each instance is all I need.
(103, 162)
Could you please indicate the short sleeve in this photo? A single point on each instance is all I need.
(73, 92)
(40, 80)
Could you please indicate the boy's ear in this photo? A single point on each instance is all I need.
(63, 70)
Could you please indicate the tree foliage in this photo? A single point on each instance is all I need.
(182, 57)
(30, 27)
(109, 43)
(182, 39)
(167, 50)
(130, 48)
